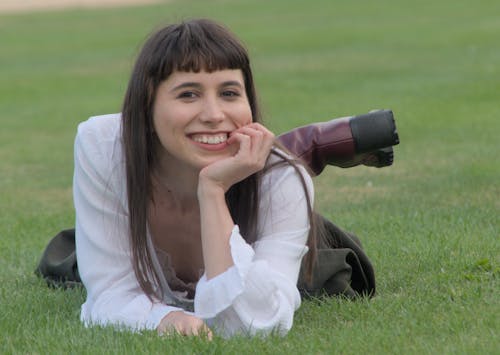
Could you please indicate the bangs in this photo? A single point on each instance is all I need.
(204, 46)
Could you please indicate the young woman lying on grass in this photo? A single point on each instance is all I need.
(189, 217)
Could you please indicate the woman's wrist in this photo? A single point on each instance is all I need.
(208, 188)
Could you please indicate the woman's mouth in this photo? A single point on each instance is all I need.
(211, 139)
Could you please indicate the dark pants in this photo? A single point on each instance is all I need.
(341, 268)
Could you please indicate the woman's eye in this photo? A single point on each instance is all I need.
(187, 95)
(230, 93)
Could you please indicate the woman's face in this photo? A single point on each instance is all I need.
(194, 114)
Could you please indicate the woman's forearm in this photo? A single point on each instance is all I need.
(216, 227)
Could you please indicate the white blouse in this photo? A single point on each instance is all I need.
(258, 294)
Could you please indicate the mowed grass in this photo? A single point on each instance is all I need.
(430, 223)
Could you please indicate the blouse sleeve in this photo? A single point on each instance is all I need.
(102, 245)
(259, 294)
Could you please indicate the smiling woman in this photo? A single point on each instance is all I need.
(201, 108)
(189, 217)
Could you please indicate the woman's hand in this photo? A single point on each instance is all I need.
(255, 142)
(183, 324)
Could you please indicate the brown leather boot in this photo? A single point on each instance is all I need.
(345, 142)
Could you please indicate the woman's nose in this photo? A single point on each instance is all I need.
(212, 111)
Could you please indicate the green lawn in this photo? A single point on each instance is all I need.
(430, 223)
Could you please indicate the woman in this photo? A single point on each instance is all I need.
(188, 216)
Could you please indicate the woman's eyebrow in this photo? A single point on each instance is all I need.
(232, 83)
(196, 85)
(187, 84)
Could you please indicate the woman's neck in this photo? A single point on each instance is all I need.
(176, 184)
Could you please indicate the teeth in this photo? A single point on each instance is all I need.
(210, 139)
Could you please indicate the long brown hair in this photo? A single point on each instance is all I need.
(194, 45)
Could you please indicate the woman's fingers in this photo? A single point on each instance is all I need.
(260, 142)
(194, 330)
(256, 130)
(189, 330)
(244, 141)
(253, 143)
(249, 156)
(202, 331)
(184, 324)
(256, 138)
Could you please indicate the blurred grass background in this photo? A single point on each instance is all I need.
(430, 223)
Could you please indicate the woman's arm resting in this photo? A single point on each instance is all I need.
(102, 247)
(255, 143)
(259, 294)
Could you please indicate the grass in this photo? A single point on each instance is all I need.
(430, 223)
